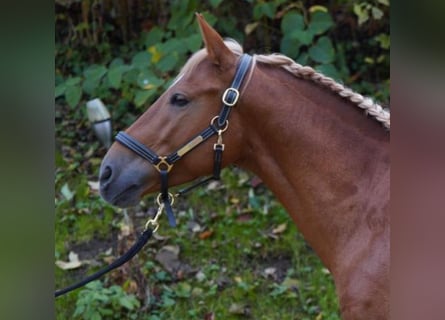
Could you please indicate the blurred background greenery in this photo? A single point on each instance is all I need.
(236, 251)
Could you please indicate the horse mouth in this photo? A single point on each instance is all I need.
(126, 198)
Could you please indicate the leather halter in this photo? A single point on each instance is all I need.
(218, 125)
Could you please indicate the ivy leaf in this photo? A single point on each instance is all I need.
(264, 9)
(322, 51)
(147, 80)
(377, 13)
(127, 302)
(320, 22)
(73, 95)
(193, 43)
(304, 36)
(290, 46)
(93, 76)
(292, 22)
(73, 81)
(141, 60)
(168, 62)
(115, 75)
(153, 37)
(142, 96)
(60, 90)
(329, 70)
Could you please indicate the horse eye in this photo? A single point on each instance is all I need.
(178, 100)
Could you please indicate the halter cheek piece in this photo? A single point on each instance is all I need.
(218, 125)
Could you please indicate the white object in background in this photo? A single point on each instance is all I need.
(101, 120)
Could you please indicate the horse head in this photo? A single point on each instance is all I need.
(184, 109)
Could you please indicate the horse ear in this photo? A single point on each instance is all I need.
(217, 51)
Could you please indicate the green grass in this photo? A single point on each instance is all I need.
(240, 269)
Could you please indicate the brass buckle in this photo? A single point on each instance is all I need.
(163, 161)
(226, 93)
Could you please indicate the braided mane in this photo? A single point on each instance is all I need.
(372, 108)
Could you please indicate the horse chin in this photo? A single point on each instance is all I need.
(129, 197)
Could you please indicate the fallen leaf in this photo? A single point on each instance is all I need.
(167, 256)
(270, 271)
(94, 185)
(73, 262)
(244, 217)
(200, 276)
(280, 229)
(194, 226)
(250, 27)
(66, 192)
(206, 234)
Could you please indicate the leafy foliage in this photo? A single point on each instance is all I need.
(96, 302)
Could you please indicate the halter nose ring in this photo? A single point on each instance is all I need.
(163, 165)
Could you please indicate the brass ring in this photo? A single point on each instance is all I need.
(225, 126)
(171, 198)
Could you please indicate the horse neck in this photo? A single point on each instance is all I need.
(320, 155)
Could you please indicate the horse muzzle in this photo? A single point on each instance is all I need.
(123, 179)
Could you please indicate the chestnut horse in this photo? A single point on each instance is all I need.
(306, 136)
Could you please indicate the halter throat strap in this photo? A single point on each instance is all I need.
(218, 125)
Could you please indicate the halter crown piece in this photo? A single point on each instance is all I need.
(218, 125)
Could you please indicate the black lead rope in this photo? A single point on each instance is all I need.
(137, 246)
(218, 125)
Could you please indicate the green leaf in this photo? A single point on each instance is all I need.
(266, 9)
(215, 3)
(141, 60)
(320, 22)
(66, 192)
(60, 90)
(329, 70)
(147, 80)
(322, 51)
(290, 46)
(193, 42)
(73, 81)
(168, 62)
(95, 316)
(116, 62)
(304, 36)
(384, 40)
(292, 22)
(115, 75)
(153, 37)
(93, 76)
(142, 96)
(377, 13)
(361, 12)
(73, 95)
(95, 71)
(128, 302)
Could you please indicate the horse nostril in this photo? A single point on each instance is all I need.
(105, 174)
